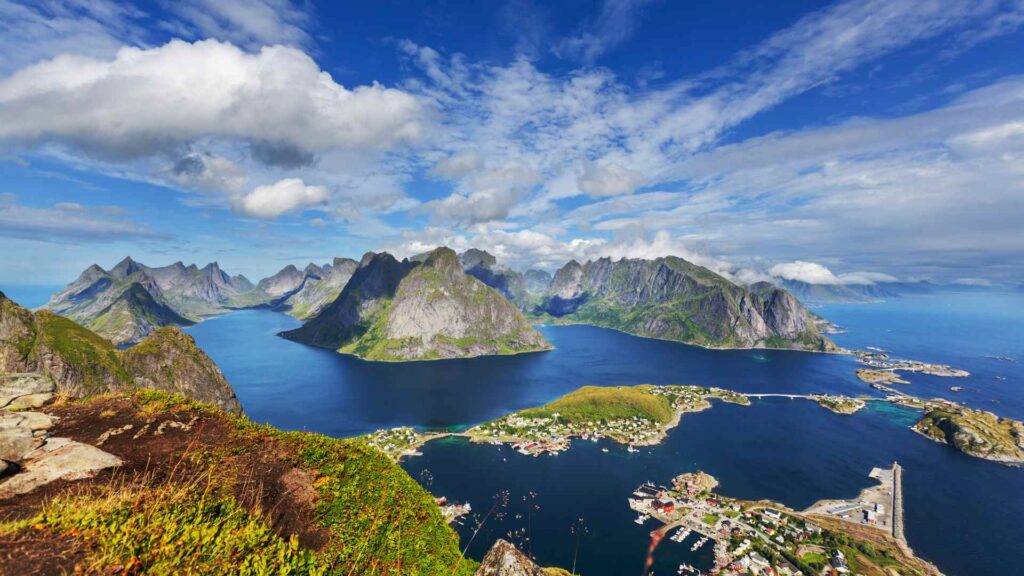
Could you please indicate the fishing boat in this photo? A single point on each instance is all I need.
(641, 519)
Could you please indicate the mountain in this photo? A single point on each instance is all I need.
(674, 299)
(537, 281)
(853, 293)
(523, 289)
(317, 287)
(412, 310)
(81, 363)
(284, 282)
(131, 300)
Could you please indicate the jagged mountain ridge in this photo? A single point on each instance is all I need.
(674, 299)
(80, 363)
(413, 310)
(307, 292)
(519, 287)
(131, 300)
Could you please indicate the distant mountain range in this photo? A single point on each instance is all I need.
(131, 300)
(442, 305)
(419, 309)
(854, 293)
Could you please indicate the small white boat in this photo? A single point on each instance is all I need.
(641, 519)
(604, 450)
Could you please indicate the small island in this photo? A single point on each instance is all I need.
(839, 404)
(879, 376)
(974, 432)
(635, 415)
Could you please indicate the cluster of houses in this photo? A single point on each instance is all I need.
(748, 539)
(552, 434)
(395, 442)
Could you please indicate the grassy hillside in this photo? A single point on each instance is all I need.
(597, 403)
(220, 494)
(94, 360)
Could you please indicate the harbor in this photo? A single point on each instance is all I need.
(767, 538)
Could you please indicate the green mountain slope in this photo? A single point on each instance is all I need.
(674, 299)
(419, 310)
(81, 363)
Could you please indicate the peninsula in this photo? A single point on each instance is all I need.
(758, 536)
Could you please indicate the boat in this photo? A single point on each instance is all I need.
(604, 449)
(631, 449)
(641, 519)
(698, 543)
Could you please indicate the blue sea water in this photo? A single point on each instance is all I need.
(961, 513)
(30, 295)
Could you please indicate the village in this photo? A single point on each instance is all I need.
(761, 538)
(552, 433)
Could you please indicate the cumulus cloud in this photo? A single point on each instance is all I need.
(866, 278)
(809, 272)
(207, 173)
(282, 197)
(146, 101)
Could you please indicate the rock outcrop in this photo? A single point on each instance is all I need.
(674, 299)
(42, 353)
(504, 559)
(975, 432)
(418, 310)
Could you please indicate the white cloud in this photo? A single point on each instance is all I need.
(67, 222)
(972, 282)
(610, 179)
(809, 272)
(148, 101)
(616, 22)
(208, 173)
(247, 23)
(282, 197)
(31, 31)
(866, 278)
(485, 195)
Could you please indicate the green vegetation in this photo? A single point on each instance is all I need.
(974, 432)
(603, 404)
(94, 360)
(710, 518)
(177, 529)
(194, 520)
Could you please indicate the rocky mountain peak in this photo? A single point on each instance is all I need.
(125, 268)
(474, 257)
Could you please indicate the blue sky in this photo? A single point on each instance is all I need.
(850, 142)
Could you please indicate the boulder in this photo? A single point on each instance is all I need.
(57, 459)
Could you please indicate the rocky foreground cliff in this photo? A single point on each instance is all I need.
(419, 310)
(50, 354)
(674, 299)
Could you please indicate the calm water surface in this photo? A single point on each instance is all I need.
(962, 513)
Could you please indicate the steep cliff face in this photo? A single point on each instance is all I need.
(131, 300)
(170, 360)
(81, 363)
(677, 300)
(393, 310)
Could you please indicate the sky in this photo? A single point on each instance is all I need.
(838, 143)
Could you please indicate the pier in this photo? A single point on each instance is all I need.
(897, 508)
